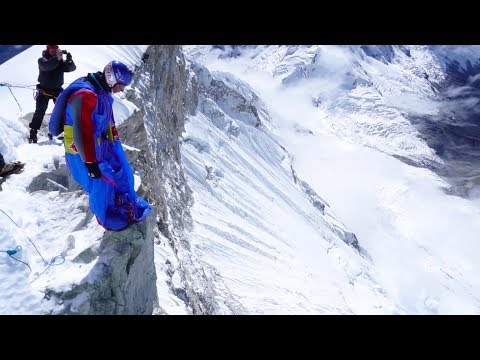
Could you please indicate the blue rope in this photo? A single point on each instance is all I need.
(18, 248)
(52, 263)
(29, 87)
(13, 252)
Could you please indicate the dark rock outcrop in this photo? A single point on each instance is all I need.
(122, 281)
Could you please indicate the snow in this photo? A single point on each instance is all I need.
(257, 237)
(44, 221)
(170, 304)
(421, 241)
(274, 251)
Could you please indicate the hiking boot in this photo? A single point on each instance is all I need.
(12, 168)
(33, 136)
(50, 137)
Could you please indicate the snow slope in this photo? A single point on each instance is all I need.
(340, 128)
(273, 250)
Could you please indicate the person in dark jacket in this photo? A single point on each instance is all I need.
(50, 80)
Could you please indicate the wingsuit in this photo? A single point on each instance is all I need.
(84, 112)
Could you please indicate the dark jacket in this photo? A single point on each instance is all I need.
(51, 71)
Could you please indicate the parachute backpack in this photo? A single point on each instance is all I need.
(56, 123)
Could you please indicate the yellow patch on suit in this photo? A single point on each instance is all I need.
(70, 146)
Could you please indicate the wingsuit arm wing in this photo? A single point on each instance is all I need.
(83, 104)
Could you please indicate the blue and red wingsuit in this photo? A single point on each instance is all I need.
(83, 111)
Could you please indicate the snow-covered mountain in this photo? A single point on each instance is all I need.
(417, 103)
(348, 114)
(285, 180)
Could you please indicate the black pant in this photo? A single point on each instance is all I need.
(2, 162)
(43, 98)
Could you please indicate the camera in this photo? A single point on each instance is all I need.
(64, 52)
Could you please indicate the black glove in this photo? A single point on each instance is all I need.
(93, 170)
(69, 57)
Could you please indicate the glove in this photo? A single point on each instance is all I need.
(69, 57)
(93, 170)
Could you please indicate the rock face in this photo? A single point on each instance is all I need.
(164, 97)
(122, 282)
(167, 93)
